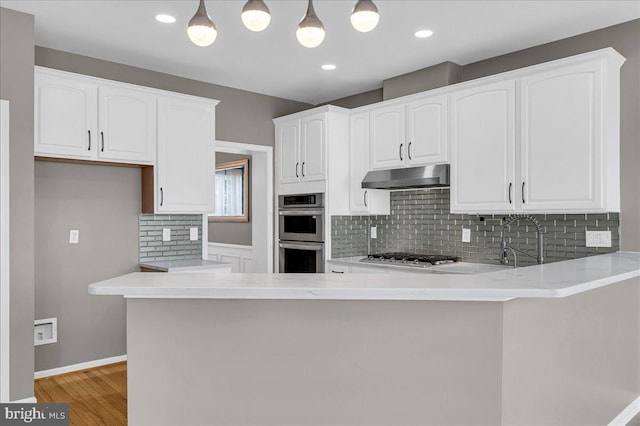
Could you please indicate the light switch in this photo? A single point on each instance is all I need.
(166, 234)
(74, 236)
(374, 232)
(466, 235)
(193, 234)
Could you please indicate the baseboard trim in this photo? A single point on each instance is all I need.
(80, 366)
(30, 400)
(626, 415)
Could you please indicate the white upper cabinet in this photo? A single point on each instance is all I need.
(561, 139)
(483, 148)
(185, 170)
(313, 152)
(301, 149)
(288, 151)
(387, 138)
(362, 201)
(427, 131)
(127, 124)
(84, 118)
(65, 116)
(561, 155)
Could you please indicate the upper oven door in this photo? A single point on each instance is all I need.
(301, 225)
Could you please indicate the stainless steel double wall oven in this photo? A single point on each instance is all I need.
(301, 231)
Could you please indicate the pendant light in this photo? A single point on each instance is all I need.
(201, 29)
(310, 31)
(365, 17)
(255, 15)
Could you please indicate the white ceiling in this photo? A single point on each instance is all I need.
(272, 62)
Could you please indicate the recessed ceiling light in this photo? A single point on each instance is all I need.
(165, 19)
(423, 33)
(329, 67)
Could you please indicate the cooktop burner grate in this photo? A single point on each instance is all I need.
(410, 258)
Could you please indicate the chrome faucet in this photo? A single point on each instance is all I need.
(504, 258)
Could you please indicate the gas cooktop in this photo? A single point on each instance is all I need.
(409, 259)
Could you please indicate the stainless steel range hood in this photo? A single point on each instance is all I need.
(435, 176)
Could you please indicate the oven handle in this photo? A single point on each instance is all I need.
(314, 247)
(301, 212)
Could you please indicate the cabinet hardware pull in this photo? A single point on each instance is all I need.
(337, 272)
(89, 131)
(297, 174)
(409, 150)
(401, 151)
(161, 197)
(510, 185)
(303, 163)
(102, 136)
(365, 198)
(523, 193)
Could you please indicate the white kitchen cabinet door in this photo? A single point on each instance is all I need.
(288, 151)
(313, 148)
(363, 201)
(127, 125)
(427, 131)
(562, 140)
(483, 149)
(388, 148)
(65, 116)
(186, 155)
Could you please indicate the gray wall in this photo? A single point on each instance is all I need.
(16, 86)
(103, 203)
(624, 38)
(241, 116)
(361, 99)
(230, 232)
(152, 248)
(418, 81)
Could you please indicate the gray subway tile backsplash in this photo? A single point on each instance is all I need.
(420, 221)
(152, 248)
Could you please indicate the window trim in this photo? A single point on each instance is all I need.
(244, 164)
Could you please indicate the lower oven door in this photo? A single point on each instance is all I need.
(301, 257)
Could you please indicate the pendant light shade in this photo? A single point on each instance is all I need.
(255, 15)
(310, 31)
(365, 16)
(201, 29)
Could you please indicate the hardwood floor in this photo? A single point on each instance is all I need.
(97, 396)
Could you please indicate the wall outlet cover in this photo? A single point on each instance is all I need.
(193, 234)
(45, 331)
(374, 232)
(166, 234)
(466, 235)
(598, 239)
(74, 236)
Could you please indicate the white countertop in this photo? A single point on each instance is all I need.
(552, 280)
(449, 268)
(191, 264)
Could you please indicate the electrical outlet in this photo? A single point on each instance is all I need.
(374, 232)
(193, 234)
(74, 236)
(598, 238)
(466, 235)
(166, 234)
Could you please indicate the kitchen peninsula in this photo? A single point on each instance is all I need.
(534, 345)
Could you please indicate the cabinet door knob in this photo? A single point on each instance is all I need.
(89, 131)
(297, 174)
(510, 185)
(365, 198)
(102, 137)
(409, 150)
(523, 193)
(401, 145)
(161, 197)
